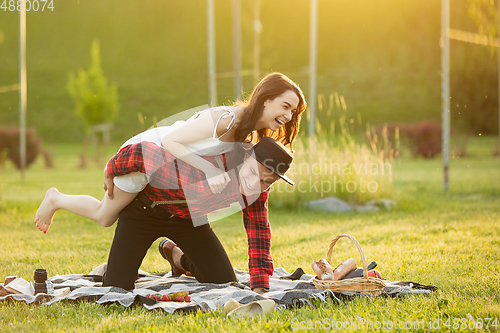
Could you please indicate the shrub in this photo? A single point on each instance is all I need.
(426, 139)
(9, 145)
(3, 151)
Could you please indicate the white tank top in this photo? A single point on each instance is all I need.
(137, 181)
(207, 147)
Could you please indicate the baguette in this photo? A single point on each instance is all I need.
(322, 269)
(344, 268)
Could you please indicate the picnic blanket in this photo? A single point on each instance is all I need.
(286, 289)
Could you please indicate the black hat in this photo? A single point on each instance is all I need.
(274, 156)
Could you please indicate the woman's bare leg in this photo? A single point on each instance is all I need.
(104, 212)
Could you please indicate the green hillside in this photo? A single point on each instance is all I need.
(382, 56)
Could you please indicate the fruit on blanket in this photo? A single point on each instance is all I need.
(374, 273)
(156, 297)
(183, 293)
(181, 296)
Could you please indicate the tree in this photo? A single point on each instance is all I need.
(96, 102)
(484, 13)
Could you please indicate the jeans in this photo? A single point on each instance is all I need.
(139, 226)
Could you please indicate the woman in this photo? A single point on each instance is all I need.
(274, 109)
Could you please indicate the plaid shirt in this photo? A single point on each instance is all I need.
(172, 179)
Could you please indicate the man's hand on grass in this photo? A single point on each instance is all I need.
(260, 291)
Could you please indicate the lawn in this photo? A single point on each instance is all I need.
(447, 239)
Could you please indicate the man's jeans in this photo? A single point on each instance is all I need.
(139, 226)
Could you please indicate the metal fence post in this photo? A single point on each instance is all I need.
(23, 91)
(212, 83)
(445, 93)
(312, 65)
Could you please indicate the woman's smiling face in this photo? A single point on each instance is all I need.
(278, 111)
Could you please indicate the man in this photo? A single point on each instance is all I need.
(175, 204)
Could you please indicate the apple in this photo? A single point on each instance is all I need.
(374, 273)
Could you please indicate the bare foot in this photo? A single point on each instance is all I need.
(46, 211)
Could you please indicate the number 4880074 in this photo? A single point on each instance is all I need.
(28, 5)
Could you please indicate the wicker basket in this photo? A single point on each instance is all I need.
(363, 284)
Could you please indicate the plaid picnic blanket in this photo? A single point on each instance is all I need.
(286, 289)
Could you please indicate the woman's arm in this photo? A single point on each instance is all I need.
(197, 129)
(108, 182)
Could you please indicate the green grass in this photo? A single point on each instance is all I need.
(448, 239)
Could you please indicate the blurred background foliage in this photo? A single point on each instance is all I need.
(95, 101)
(382, 56)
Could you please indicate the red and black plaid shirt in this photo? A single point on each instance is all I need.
(172, 179)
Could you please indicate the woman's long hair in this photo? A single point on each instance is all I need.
(270, 87)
